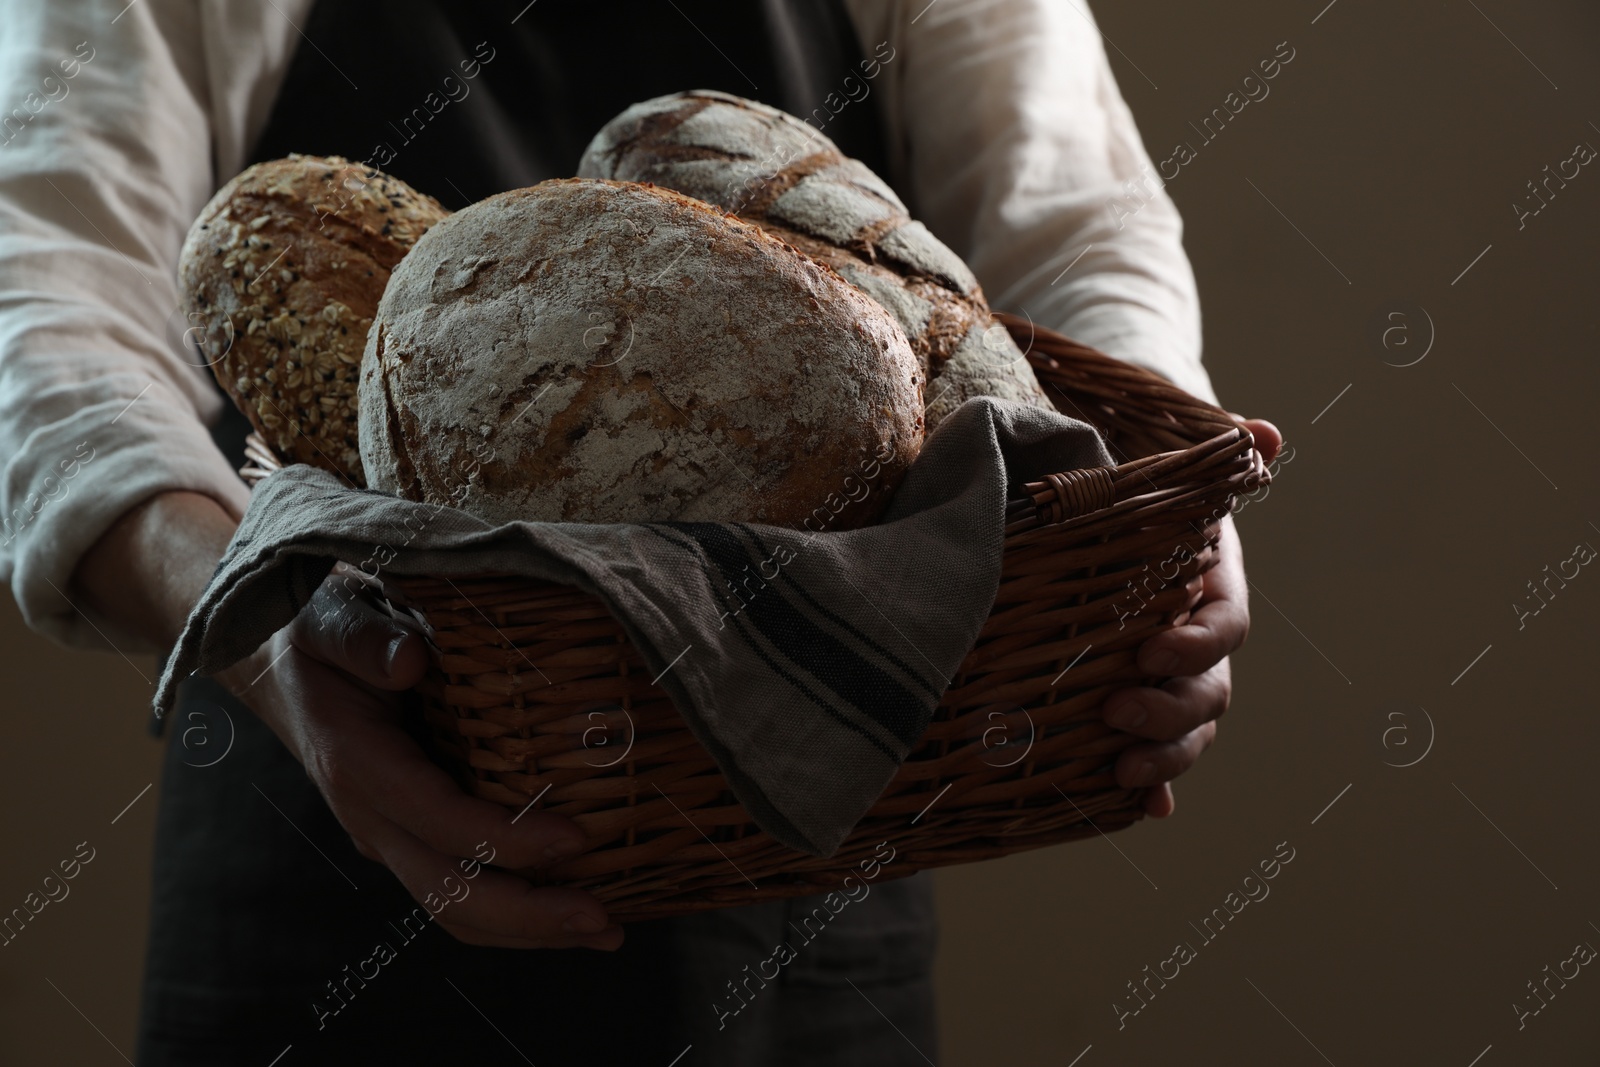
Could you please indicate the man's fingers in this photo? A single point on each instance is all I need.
(1161, 761)
(1268, 438)
(1218, 626)
(1158, 802)
(1214, 632)
(374, 762)
(491, 902)
(1170, 712)
(344, 628)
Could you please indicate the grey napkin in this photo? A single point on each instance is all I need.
(809, 695)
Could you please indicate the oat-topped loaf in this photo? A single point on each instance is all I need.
(774, 170)
(593, 351)
(283, 271)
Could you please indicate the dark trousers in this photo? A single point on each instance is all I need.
(260, 901)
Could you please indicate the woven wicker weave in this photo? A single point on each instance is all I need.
(536, 696)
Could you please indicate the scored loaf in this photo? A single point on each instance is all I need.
(282, 273)
(774, 170)
(594, 351)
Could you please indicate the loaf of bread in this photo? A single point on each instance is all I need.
(774, 170)
(282, 273)
(595, 351)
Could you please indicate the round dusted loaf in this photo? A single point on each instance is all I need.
(593, 351)
(772, 169)
(282, 273)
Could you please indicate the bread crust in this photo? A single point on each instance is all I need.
(596, 351)
(785, 176)
(282, 273)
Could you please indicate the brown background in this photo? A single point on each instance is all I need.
(1391, 549)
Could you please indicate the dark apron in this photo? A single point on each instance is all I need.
(260, 900)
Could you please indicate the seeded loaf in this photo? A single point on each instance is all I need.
(774, 170)
(595, 351)
(282, 273)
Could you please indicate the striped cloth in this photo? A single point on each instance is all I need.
(808, 664)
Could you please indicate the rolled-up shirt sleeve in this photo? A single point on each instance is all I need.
(1016, 148)
(105, 158)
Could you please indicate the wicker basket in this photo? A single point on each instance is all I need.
(536, 697)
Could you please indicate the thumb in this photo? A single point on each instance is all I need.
(1267, 436)
(343, 627)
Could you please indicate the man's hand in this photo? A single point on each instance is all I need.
(333, 694)
(1180, 717)
(332, 686)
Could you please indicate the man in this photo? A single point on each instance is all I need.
(1000, 125)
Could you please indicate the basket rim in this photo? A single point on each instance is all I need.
(1062, 496)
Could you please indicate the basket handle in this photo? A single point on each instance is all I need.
(1074, 493)
(1230, 457)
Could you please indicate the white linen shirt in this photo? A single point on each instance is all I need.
(119, 121)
